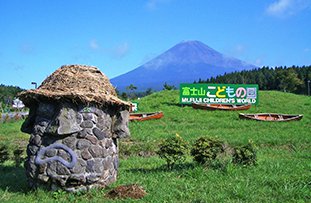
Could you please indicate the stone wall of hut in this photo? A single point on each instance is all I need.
(73, 146)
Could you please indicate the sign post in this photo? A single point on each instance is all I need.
(237, 94)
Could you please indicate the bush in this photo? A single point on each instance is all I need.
(18, 156)
(205, 150)
(173, 150)
(245, 155)
(4, 153)
(129, 147)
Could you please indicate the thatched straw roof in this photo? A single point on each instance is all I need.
(79, 83)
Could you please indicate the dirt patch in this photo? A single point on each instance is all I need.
(133, 191)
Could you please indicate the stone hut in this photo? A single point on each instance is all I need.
(75, 121)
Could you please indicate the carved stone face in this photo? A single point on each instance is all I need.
(65, 119)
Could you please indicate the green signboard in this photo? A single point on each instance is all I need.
(134, 107)
(237, 94)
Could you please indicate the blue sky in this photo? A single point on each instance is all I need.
(38, 36)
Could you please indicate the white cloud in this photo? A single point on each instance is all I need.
(115, 51)
(285, 8)
(94, 44)
(279, 7)
(240, 49)
(26, 48)
(148, 58)
(237, 50)
(121, 50)
(258, 62)
(154, 4)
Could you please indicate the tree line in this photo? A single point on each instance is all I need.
(7, 95)
(132, 93)
(292, 79)
(8, 92)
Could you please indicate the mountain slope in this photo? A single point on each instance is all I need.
(185, 62)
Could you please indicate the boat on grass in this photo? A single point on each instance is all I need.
(271, 117)
(228, 107)
(146, 116)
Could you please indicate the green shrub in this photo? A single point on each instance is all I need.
(130, 147)
(4, 153)
(245, 155)
(18, 156)
(6, 118)
(205, 150)
(173, 150)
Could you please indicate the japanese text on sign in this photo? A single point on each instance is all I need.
(237, 94)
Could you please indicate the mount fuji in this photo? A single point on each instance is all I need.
(183, 63)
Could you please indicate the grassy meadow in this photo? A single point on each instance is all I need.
(283, 172)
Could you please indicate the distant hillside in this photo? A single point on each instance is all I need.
(185, 62)
(269, 101)
(293, 79)
(7, 93)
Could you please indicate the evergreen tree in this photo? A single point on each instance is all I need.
(131, 88)
(168, 87)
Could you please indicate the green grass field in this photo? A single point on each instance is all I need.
(283, 173)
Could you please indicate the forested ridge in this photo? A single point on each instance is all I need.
(292, 79)
(7, 93)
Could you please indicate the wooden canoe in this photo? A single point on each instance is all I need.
(271, 117)
(146, 116)
(228, 107)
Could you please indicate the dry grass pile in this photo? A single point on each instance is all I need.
(79, 83)
(133, 191)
